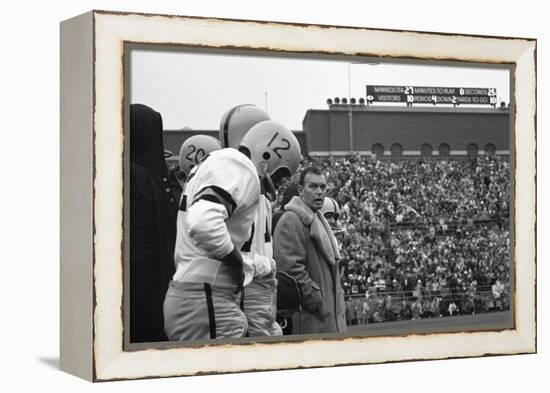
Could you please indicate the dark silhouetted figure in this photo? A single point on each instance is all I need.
(153, 210)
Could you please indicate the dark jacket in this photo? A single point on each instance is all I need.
(152, 226)
(304, 249)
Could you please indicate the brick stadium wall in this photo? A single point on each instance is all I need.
(328, 130)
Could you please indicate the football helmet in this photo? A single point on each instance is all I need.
(194, 149)
(330, 206)
(275, 152)
(236, 122)
(331, 212)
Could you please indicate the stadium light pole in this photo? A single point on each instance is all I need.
(350, 109)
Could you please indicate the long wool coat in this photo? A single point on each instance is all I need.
(152, 226)
(305, 249)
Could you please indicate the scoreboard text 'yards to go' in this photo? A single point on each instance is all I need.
(432, 95)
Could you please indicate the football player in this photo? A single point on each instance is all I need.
(193, 151)
(216, 214)
(236, 122)
(331, 211)
(260, 294)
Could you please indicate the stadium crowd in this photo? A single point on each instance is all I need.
(420, 238)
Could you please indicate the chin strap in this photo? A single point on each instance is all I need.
(268, 188)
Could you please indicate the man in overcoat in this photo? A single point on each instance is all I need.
(305, 247)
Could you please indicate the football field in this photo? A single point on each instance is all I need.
(476, 322)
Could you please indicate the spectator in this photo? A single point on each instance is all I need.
(416, 309)
(453, 309)
(497, 290)
(365, 312)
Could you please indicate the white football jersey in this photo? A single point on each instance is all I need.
(216, 212)
(258, 250)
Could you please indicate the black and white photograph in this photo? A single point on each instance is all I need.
(277, 197)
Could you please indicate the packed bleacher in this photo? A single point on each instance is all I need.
(420, 238)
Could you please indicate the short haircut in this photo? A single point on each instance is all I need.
(290, 191)
(310, 169)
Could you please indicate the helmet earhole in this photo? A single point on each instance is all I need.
(266, 156)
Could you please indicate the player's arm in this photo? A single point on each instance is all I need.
(206, 217)
(255, 266)
(289, 242)
(262, 246)
(256, 263)
(233, 259)
(263, 266)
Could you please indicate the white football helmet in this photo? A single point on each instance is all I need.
(236, 122)
(330, 206)
(275, 152)
(331, 211)
(194, 149)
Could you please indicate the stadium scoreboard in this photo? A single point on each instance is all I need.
(432, 95)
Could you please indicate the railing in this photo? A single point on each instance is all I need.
(402, 305)
(450, 225)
